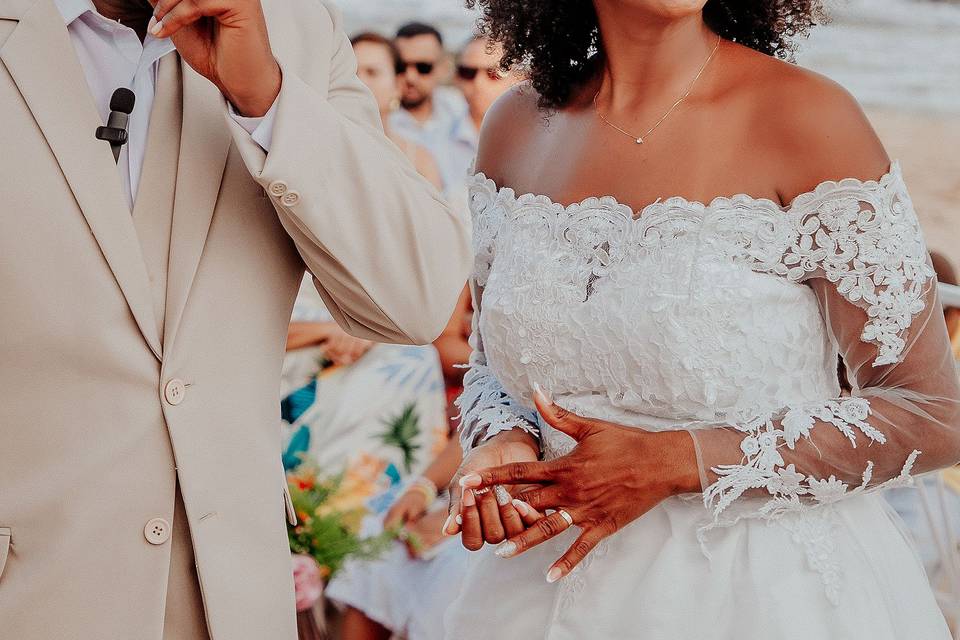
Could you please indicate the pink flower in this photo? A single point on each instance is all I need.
(307, 581)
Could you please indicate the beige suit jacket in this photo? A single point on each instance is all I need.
(139, 349)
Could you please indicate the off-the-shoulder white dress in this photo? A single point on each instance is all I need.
(725, 319)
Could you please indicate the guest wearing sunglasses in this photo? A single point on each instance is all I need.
(429, 111)
(481, 81)
(378, 66)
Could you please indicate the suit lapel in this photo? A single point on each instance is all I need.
(41, 60)
(204, 145)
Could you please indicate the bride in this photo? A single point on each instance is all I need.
(656, 438)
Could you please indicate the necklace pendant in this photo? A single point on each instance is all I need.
(639, 140)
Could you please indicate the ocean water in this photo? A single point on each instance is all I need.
(889, 53)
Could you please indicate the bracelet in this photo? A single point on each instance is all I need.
(426, 487)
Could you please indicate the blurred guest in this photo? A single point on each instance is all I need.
(454, 348)
(481, 80)
(378, 410)
(429, 111)
(405, 592)
(378, 66)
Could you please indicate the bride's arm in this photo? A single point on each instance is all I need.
(486, 409)
(878, 297)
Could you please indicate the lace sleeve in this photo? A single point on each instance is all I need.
(858, 246)
(485, 408)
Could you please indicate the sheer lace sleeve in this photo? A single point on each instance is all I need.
(858, 246)
(485, 408)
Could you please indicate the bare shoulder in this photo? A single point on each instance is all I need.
(507, 126)
(812, 125)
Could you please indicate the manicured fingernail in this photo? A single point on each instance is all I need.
(469, 500)
(445, 529)
(503, 498)
(155, 26)
(471, 480)
(459, 519)
(506, 549)
(540, 392)
(522, 507)
(553, 575)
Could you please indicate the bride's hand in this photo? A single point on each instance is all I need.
(489, 516)
(613, 476)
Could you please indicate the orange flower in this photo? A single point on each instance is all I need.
(304, 483)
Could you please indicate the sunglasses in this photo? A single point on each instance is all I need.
(423, 68)
(470, 73)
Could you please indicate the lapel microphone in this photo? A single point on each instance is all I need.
(121, 105)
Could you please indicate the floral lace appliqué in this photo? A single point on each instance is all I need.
(763, 466)
(864, 237)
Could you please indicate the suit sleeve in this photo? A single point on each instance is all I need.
(388, 256)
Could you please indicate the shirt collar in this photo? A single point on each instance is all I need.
(465, 131)
(73, 9)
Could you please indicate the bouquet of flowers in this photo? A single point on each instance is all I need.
(330, 511)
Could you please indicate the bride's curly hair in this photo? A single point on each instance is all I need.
(556, 40)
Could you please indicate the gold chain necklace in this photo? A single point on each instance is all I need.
(640, 139)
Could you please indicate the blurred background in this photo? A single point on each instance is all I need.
(900, 58)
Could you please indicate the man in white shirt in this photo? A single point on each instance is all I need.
(429, 112)
(481, 81)
(146, 302)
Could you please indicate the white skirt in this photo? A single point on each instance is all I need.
(849, 574)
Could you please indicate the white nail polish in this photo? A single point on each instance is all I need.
(503, 497)
(506, 549)
(471, 479)
(540, 392)
(520, 506)
(553, 575)
(446, 525)
(459, 519)
(154, 26)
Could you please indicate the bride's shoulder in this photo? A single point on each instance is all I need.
(813, 125)
(506, 127)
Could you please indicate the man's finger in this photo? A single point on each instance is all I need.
(577, 552)
(509, 516)
(452, 525)
(472, 533)
(513, 473)
(493, 531)
(541, 531)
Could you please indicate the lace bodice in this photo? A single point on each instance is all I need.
(725, 319)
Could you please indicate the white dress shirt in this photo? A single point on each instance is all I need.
(438, 133)
(112, 56)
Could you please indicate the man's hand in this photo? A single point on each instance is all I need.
(226, 42)
(490, 516)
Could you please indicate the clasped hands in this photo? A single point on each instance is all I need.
(503, 495)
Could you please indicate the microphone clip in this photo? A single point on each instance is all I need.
(113, 135)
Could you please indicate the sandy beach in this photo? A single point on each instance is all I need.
(926, 144)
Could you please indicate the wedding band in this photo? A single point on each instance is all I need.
(566, 516)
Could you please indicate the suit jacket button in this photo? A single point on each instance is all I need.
(277, 188)
(157, 531)
(290, 198)
(174, 391)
